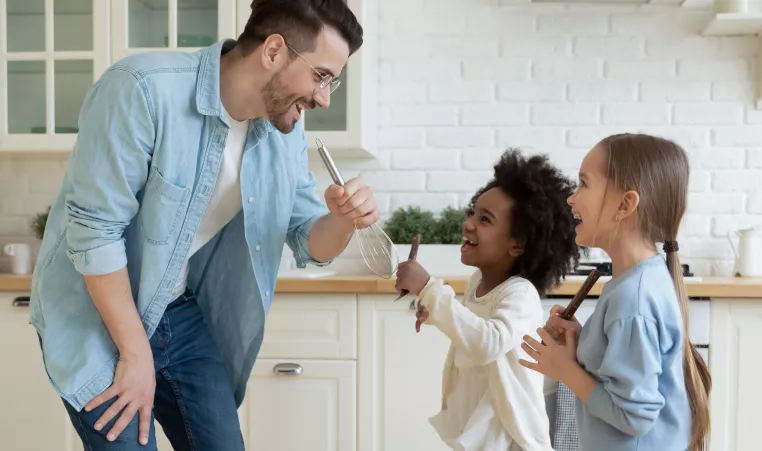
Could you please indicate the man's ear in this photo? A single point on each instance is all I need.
(628, 205)
(274, 51)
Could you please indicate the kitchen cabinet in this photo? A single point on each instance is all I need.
(399, 376)
(286, 389)
(183, 25)
(305, 377)
(348, 372)
(33, 417)
(51, 52)
(735, 365)
(301, 405)
(312, 326)
(38, 420)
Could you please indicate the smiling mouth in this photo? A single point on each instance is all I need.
(577, 220)
(468, 244)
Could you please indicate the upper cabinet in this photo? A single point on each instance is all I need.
(51, 52)
(348, 127)
(183, 25)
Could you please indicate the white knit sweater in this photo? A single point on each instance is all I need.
(517, 392)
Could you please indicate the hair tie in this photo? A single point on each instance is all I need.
(670, 246)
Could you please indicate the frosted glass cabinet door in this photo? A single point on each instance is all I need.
(51, 52)
(333, 118)
(184, 25)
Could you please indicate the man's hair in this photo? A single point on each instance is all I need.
(540, 217)
(299, 22)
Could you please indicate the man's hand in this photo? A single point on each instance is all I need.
(354, 203)
(411, 277)
(135, 386)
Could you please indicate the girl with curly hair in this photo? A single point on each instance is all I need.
(519, 235)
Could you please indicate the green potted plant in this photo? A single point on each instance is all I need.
(441, 238)
(38, 222)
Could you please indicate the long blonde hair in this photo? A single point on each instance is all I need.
(658, 169)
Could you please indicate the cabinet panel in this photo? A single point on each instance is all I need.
(311, 326)
(301, 405)
(72, 25)
(26, 25)
(26, 92)
(182, 25)
(38, 419)
(735, 366)
(400, 377)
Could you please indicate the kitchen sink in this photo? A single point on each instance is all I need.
(306, 273)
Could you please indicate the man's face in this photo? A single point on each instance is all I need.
(292, 88)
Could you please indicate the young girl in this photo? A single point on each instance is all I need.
(520, 237)
(640, 384)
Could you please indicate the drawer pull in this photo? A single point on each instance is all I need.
(21, 301)
(288, 369)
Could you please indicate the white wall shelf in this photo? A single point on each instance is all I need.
(740, 24)
(734, 24)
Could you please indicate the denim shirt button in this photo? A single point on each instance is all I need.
(257, 248)
(251, 200)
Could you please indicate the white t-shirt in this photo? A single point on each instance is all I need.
(226, 200)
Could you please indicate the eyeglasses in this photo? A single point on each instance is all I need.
(325, 80)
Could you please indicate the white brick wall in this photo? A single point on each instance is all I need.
(461, 80)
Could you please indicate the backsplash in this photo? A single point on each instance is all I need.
(461, 80)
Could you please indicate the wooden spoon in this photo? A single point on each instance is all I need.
(411, 257)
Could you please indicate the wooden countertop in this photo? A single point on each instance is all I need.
(715, 287)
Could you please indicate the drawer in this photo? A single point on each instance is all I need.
(311, 326)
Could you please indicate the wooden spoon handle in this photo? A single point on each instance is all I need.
(581, 294)
(413, 254)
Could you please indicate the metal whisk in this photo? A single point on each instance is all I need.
(377, 249)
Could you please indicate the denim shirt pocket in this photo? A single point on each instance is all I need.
(161, 208)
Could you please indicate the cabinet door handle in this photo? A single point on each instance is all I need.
(288, 369)
(21, 301)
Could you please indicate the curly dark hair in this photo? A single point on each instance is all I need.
(540, 217)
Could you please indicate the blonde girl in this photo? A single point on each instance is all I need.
(640, 384)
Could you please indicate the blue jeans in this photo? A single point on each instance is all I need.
(194, 401)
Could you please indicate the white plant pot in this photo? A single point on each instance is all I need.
(439, 260)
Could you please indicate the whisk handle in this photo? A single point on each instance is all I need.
(329, 164)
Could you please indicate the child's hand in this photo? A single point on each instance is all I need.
(421, 315)
(554, 358)
(557, 326)
(411, 277)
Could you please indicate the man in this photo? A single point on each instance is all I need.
(161, 251)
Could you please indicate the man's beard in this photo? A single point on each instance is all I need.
(278, 105)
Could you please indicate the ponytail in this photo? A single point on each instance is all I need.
(698, 381)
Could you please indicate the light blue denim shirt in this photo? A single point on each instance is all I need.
(152, 132)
